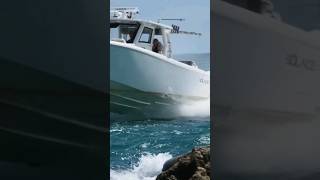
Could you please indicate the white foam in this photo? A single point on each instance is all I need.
(195, 109)
(204, 139)
(116, 130)
(148, 167)
(177, 132)
(145, 145)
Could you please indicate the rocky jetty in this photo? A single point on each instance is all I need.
(192, 166)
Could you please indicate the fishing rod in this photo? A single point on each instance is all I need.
(176, 28)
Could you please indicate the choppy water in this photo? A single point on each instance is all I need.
(139, 148)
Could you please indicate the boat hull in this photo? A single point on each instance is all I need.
(45, 126)
(53, 111)
(265, 95)
(152, 83)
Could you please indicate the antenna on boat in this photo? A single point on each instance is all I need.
(171, 19)
(176, 30)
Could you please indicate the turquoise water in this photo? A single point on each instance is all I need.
(139, 148)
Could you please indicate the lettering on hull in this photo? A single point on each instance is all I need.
(300, 62)
(204, 81)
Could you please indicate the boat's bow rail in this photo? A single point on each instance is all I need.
(190, 63)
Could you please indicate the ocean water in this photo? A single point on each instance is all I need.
(139, 148)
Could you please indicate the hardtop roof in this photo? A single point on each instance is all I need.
(133, 21)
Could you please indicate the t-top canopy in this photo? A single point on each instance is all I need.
(124, 12)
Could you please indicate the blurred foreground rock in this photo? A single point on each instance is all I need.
(192, 166)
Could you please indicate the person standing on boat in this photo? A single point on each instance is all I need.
(156, 46)
(131, 37)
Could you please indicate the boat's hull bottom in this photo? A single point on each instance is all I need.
(138, 104)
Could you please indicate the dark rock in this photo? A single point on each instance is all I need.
(169, 163)
(192, 166)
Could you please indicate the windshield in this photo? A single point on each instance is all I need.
(126, 32)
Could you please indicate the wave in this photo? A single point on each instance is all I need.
(148, 167)
(204, 140)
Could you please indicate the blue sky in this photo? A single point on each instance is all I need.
(196, 13)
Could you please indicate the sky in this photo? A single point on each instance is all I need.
(196, 13)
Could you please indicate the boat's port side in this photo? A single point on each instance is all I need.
(150, 72)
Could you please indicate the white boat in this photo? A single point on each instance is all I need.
(266, 93)
(148, 83)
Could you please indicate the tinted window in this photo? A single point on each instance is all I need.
(146, 35)
(123, 31)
